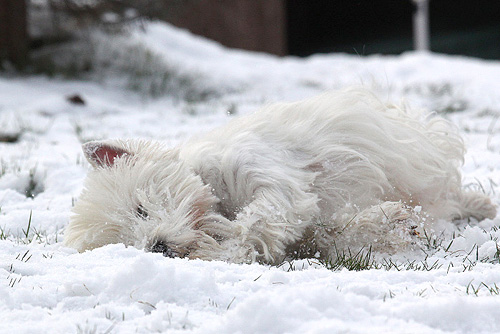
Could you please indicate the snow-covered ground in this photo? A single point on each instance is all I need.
(198, 85)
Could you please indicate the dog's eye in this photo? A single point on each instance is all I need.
(141, 212)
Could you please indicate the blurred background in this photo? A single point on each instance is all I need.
(32, 31)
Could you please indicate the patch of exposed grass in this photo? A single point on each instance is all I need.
(356, 261)
(34, 187)
(474, 290)
(29, 181)
(438, 250)
(10, 138)
(3, 234)
(29, 234)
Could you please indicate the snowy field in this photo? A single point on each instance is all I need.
(166, 84)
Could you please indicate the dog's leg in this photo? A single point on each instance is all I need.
(464, 205)
(387, 228)
(271, 222)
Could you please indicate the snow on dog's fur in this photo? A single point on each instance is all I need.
(339, 170)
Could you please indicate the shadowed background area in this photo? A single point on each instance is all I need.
(280, 27)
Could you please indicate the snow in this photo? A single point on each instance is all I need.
(47, 288)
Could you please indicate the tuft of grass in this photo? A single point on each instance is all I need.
(24, 257)
(232, 109)
(456, 105)
(432, 242)
(83, 137)
(230, 303)
(11, 128)
(34, 187)
(27, 232)
(48, 255)
(496, 256)
(10, 138)
(14, 280)
(470, 289)
(391, 295)
(86, 329)
(3, 234)
(444, 96)
(4, 168)
(78, 131)
(361, 260)
(440, 252)
(389, 264)
(438, 249)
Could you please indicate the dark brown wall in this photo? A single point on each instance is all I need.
(257, 25)
(13, 31)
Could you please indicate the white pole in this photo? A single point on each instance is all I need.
(421, 30)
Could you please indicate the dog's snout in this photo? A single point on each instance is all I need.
(162, 247)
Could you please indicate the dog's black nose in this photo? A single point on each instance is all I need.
(162, 247)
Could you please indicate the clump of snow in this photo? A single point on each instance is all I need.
(451, 287)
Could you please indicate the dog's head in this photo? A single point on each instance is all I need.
(140, 194)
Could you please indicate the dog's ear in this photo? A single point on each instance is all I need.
(102, 154)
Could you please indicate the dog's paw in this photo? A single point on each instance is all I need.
(398, 227)
(401, 217)
(477, 205)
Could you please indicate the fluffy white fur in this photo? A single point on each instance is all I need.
(339, 170)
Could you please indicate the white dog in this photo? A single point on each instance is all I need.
(339, 170)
